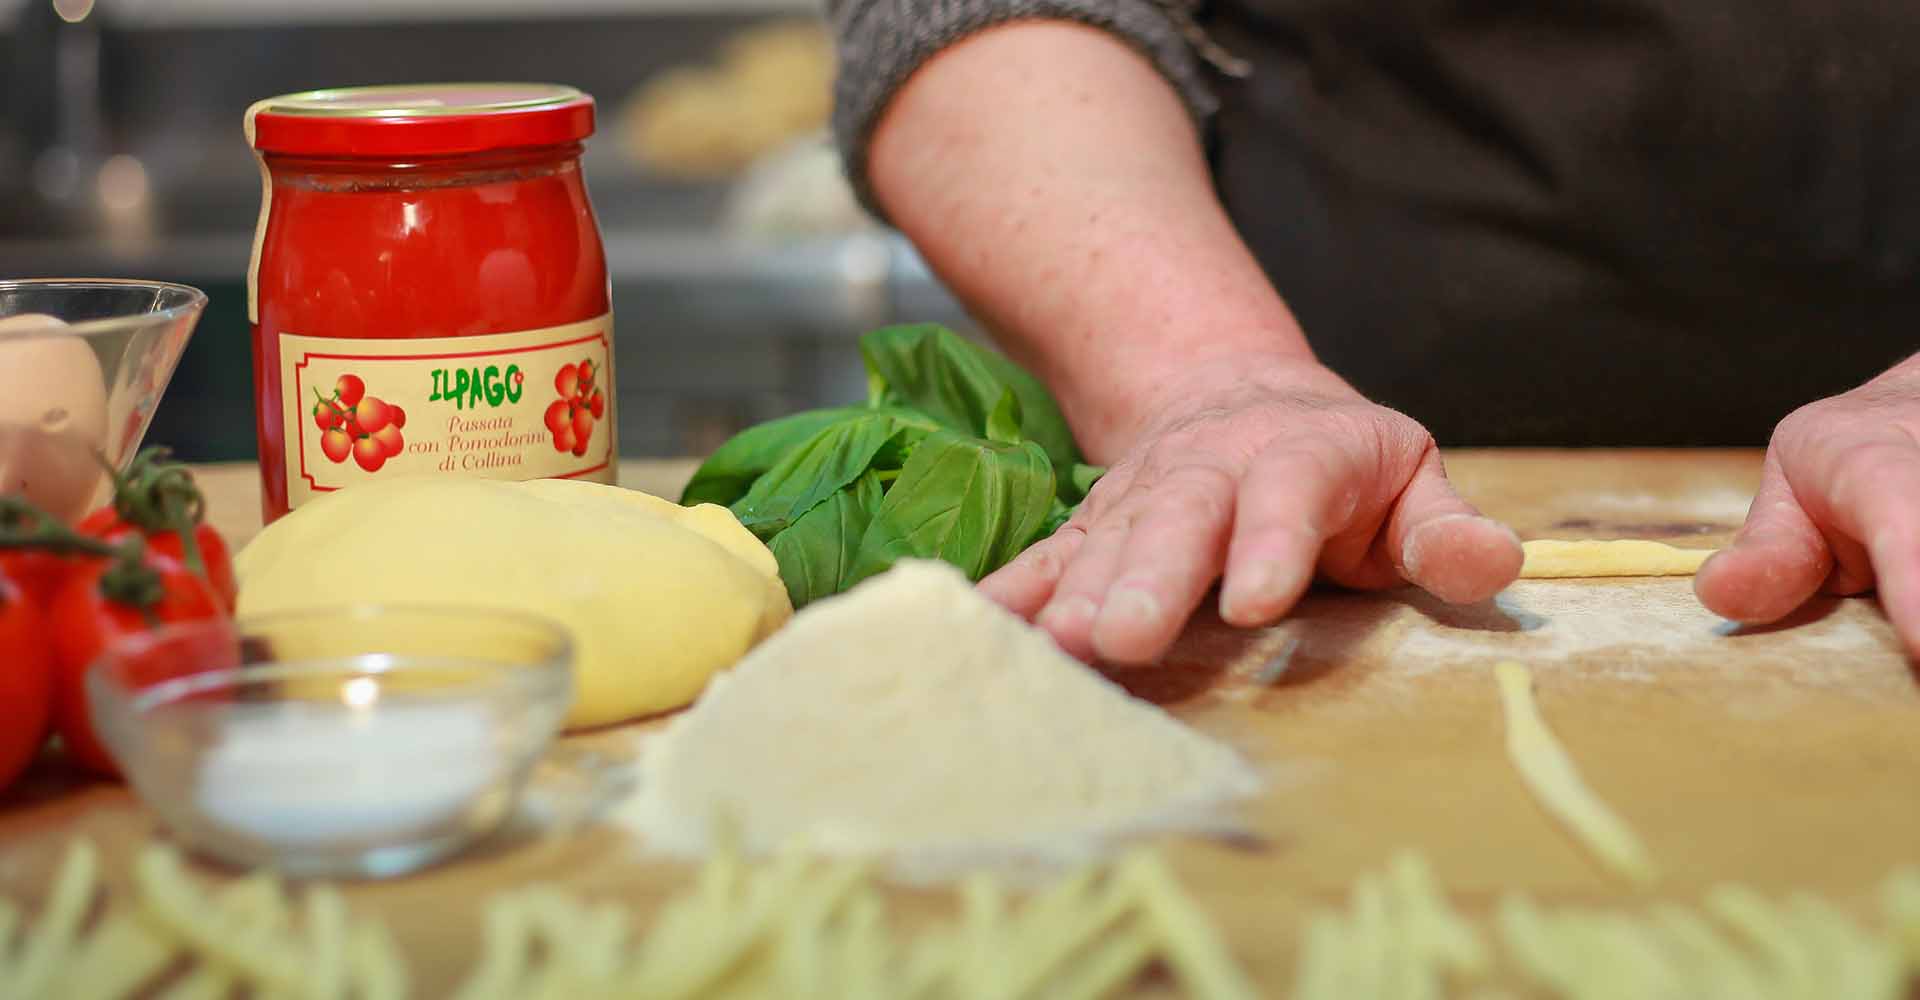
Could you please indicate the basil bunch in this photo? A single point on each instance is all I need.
(958, 454)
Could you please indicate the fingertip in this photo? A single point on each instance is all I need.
(1024, 585)
(1756, 583)
(1259, 591)
(1013, 589)
(1070, 621)
(1134, 627)
(1461, 558)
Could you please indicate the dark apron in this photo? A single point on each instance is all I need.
(1617, 222)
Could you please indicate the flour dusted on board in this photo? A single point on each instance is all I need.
(911, 717)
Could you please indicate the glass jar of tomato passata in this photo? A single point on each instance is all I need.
(428, 290)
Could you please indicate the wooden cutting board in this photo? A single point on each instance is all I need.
(1782, 757)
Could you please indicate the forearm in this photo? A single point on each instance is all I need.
(1056, 183)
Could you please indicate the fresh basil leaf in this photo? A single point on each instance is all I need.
(930, 368)
(973, 503)
(1003, 424)
(1079, 481)
(726, 476)
(816, 552)
(1057, 517)
(833, 457)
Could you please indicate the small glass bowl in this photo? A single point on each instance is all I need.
(75, 396)
(357, 742)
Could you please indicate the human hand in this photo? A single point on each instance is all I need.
(1838, 510)
(1265, 470)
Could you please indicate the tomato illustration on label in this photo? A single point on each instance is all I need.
(570, 419)
(352, 423)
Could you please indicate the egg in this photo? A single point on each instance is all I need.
(53, 415)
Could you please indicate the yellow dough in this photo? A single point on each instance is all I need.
(1552, 558)
(657, 597)
(1550, 775)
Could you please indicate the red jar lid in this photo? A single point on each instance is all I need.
(446, 119)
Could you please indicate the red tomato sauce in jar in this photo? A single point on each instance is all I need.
(428, 289)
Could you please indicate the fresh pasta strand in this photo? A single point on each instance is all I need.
(1188, 938)
(374, 963)
(1553, 558)
(45, 948)
(1549, 772)
(124, 952)
(795, 928)
(1398, 940)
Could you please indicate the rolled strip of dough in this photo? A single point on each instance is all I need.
(1557, 558)
(1549, 773)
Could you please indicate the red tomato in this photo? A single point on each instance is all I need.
(84, 621)
(397, 415)
(563, 439)
(336, 443)
(36, 571)
(167, 547)
(586, 375)
(580, 443)
(349, 388)
(325, 415)
(597, 404)
(26, 679)
(567, 381)
(558, 416)
(582, 423)
(372, 414)
(369, 454)
(390, 440)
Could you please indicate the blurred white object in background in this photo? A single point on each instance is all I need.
(798, 190)
(709, 120)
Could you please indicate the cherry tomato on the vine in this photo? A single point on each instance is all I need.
(168, 547)
(369, 453)
(336, 443)
(372, 414)
(85, 620)
(349, 388)
(390, 440)
(26, 679)
(36, 571)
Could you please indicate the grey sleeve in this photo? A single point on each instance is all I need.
(882, 42)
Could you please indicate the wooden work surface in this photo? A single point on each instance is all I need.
(1783, 757)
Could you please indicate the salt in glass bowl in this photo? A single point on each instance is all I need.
(359, 742)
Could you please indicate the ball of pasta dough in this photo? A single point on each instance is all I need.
(658, 597)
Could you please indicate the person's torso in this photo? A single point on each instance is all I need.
(1620, 221)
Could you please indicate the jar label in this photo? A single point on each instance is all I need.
(536, 404)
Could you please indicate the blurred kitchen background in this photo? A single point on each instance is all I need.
(742, 271)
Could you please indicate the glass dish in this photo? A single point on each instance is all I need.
(357, 742)
(84, 389)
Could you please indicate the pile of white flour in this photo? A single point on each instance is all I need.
(913, 719)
